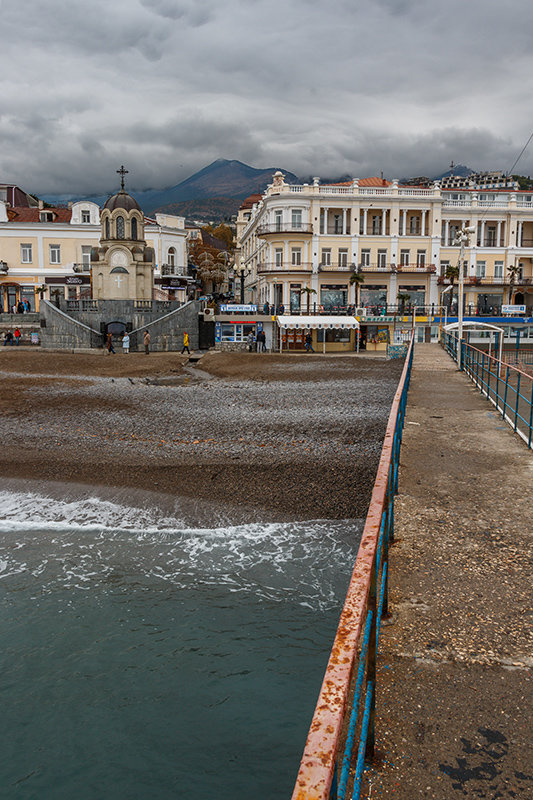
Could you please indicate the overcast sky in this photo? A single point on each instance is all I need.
(318, 88)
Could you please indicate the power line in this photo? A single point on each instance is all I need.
(510, 172)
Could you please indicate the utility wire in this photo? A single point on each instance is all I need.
(510, 172)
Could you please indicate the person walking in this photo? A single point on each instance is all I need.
(250, 340)
(309, 342)
(109, 344)
(185, 343)
(146, 342)
(8, 338)
(17, 334)
(126, 343)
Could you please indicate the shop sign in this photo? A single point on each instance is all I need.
(34, 338)
(171, 283)
(236, 309)
(69, 280)
(377, 319)
(513, 309)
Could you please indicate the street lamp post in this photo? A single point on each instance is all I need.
(463, 239)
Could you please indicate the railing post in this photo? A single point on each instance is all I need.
(371, 669)
(517, 401)
(530, 417)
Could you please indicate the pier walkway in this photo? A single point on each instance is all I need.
(453, 707)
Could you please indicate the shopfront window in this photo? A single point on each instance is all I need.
(373, 296)
(333, 335)
(27, 294)
(333, 297)
(295, 296)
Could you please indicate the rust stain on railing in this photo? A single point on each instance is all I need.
(318, 761)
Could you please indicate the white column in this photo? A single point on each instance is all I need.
(325, 220)
(344, 220)
(404, 231)
(519, 234)
(365, 220)
(424, 212)
(498, 234)
(482, 235)
(446, 233)
(383, 212)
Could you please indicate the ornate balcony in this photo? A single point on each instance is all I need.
(269, 266)
(305, 228)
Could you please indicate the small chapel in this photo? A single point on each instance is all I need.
(122, 267)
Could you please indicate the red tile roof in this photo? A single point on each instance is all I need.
(251, 201)
(20, 214)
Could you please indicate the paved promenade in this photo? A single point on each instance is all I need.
(454, 703)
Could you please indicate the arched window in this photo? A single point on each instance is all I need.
(134, 227)
(120, 227)
(171, 257)
(107, 229)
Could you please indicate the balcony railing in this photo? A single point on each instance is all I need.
(420, 268)
(525, 243)
(285, 227)
(335, 266)
(271, 266)
(336, 230)
(171, 269)
(488, 242)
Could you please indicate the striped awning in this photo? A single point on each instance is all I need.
(317, 321)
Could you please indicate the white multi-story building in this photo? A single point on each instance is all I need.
(304, 241)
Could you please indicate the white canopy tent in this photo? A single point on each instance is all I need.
(320, 322)
(474, 325)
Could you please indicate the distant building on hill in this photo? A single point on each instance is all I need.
(479, 180)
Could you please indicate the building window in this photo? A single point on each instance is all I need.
(498, 269)
(404, 258)
(326, 257)
(382, 259)
(277, 220)
(343, 258)
(46, 216)
(443, 267)
(337, 223)
(414, 225)
(134, 227)
(107, 229)
(420, 258)
(296, 256)
(365, 258)
(55, 254)
(296, 219)
(278, 256)
(376, 225)
(86, 255)
(85, 216)
(171, 256)
(481, 267)
(120, 227)
(491, 236)
(26, 253)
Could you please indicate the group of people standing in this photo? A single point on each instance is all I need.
(256, 341)
(22, 307)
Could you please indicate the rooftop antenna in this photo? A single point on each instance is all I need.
(452, 165)
(122, 172)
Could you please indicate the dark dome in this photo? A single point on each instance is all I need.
(122, 200)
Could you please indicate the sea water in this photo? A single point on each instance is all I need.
(144, 657)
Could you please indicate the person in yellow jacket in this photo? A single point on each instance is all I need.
(185, 343)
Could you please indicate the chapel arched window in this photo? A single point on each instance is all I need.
(120, 227)
(134, 227)
(107, 229)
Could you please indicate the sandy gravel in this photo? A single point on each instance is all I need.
(295, 437)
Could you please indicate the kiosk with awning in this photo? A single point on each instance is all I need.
(334, 329)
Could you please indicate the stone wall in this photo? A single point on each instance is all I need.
(84, 327)
(28, 324)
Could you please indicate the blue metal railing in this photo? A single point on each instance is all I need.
(508, 388)
(325, 770)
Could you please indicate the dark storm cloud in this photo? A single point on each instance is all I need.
(166, 86)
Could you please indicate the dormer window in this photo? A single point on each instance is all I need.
(85, 216)
(120, 227)
(46, 216)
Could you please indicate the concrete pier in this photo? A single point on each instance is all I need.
(454, 703)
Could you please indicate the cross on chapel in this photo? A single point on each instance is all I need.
(122, 172)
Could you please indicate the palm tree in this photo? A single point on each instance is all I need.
(403, 298)
(358, 279)
(451, 273)
(514, 272)
(308, 292)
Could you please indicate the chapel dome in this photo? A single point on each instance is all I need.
(122, 200)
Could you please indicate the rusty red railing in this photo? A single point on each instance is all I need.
(328, 768)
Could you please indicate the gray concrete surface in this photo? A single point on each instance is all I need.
(454, 704)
